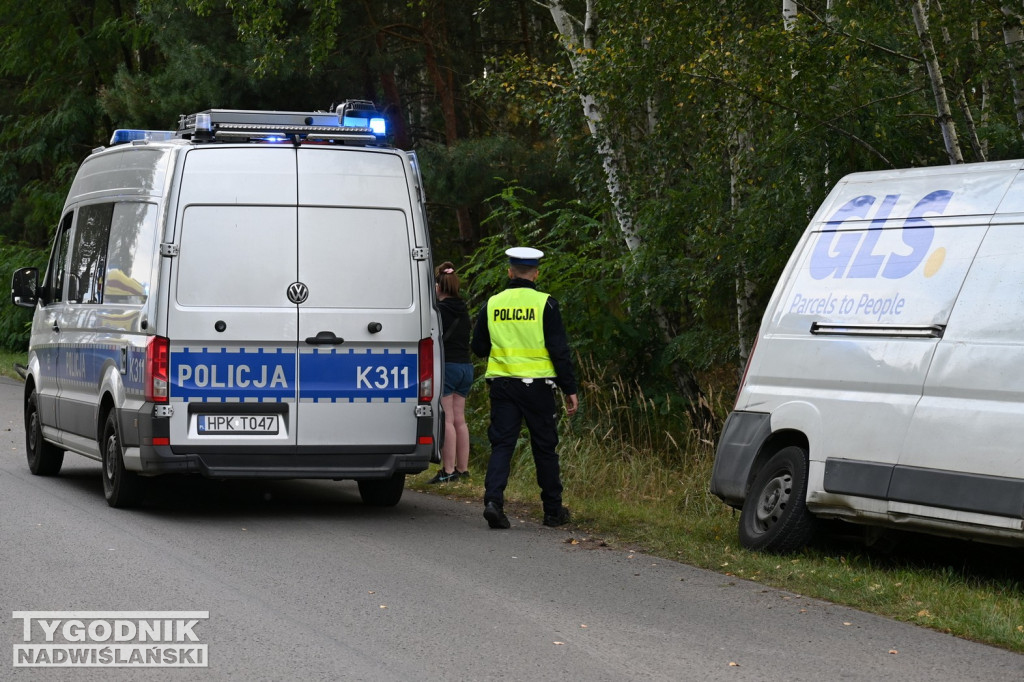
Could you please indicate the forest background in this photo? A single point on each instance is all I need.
(665, 155)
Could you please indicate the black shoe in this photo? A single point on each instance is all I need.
(444, 477)
(462, 475)
(495, 516)
(559, 518)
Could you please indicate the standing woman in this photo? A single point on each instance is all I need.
(458, 375)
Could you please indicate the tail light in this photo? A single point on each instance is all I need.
(746, 368)
(426, 370)
(157, 368)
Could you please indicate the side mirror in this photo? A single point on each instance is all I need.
(25, 287)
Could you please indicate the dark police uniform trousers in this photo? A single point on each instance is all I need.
(512, 401)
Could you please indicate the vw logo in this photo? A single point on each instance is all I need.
(298, 292)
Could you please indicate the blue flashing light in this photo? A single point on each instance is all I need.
(376, 124)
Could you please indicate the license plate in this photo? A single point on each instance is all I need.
(238, 423)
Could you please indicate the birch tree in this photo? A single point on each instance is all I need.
(579, 41)
(944, 115)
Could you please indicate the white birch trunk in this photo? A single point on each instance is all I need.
(573, 37)
(944, 114)
(984, 87)
(961, 100)
(789, 13)
(744, 287)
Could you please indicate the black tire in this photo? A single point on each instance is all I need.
(121, 487)
(382, 492)
(44, 458)
(775, 517)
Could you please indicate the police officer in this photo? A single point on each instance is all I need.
(520, 332)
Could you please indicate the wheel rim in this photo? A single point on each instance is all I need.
(773, 501)
(34, 433)
(109, 463)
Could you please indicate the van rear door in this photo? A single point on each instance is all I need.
(231, 326)
(359, 329)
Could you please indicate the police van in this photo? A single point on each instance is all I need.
(886, 386)
(250, 295)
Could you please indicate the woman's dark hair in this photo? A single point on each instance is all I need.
(447, 280)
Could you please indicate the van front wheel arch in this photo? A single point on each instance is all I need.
(121, 487)
(775, 516)
(44, 458)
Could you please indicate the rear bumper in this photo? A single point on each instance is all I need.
(285, 464)
(358, 462)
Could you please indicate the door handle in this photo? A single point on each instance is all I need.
(325, 338)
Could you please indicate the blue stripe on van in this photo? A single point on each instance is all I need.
(350, 375)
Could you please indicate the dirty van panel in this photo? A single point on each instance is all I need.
(969, 426)
(142, 172)
(869, 297)
(960, 190)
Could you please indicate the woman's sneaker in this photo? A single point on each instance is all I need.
(463, 476)
(445, 477)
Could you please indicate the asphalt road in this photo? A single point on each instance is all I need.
(302, 582)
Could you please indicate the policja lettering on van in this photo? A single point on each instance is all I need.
(515, 314)
(231, 376)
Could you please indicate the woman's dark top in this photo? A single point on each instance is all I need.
(455, 329)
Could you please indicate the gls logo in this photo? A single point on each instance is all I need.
(852, 254)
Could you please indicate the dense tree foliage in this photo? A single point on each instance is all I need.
(667, 154)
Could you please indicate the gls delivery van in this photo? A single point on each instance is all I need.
(886, 386)
(248, 296)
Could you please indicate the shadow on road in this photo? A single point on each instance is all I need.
(194, 497)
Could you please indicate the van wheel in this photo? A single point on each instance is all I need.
(775, 516)
(44, 458)
(121, 487)
(382, 492)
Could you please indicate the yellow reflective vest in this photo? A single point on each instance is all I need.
(515, 321)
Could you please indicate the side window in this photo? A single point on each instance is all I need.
(89, 254)
(53, 283)
(129, 258)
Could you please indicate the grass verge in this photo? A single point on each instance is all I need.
(638, 489)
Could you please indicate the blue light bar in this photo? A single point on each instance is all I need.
(124, 135)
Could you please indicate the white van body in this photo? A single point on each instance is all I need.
(252, 299)
(886, 386)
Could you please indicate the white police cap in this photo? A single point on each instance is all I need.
(524, 255)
